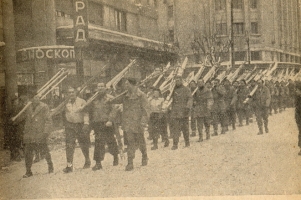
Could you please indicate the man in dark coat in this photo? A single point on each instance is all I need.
(180, 111)
(230, 99)
(36, 130)
(202, 103)
(192, 86)
(298, 111)
(135, 116)
(261, 101)
(218, 107)
(243, 109)
(291, 87)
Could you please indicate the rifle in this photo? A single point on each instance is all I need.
(45, 89)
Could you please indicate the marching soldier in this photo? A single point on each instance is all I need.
(192, 86)
(101, 117)
(243, 109)
(36, 130)
(203, 101)
(298, 111)
(275, 98)
(261, 101)
(179, 114)
(285, 96)
(157, 122)
(135, 116)
(230, 99)
(76, 128)
(291, 87)
(269, 85)
(280, 96)
(219, 107)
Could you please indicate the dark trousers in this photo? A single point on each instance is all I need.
(298, 121)
(231, 116)
(219, 117)
(158, 126)
(30, 148)
(176, 126)
(74, 132)
(201, 121)
(193, 123)
(243, 113)
(262, 114)
(135, 141)
(104, 135)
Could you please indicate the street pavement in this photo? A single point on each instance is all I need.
(237, 163)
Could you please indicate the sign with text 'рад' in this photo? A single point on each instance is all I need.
(80, 22)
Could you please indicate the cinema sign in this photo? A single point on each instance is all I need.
(56, 52)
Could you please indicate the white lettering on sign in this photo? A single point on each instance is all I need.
(79, 5)
(40, 53)
(80, 22)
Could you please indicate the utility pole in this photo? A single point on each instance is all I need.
(9, 52)
(231, 37)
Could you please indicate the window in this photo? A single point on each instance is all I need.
(254, 28)
(240, 55)
(220, 4)
(96, 14)
(238, 28)
(170, 12)
(171, 36)
(221, 29)
(255, 55)
(253, 4)
(120, 20)
(237, 4)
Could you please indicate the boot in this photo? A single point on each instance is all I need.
(87, 164)
(233, 127)
(260, 131)
(200, 136)
(68, 169)
(266, 129)
(155, 144)
(144, 160)
(116, 160)
(97, 166)
(207, 134)
(27, 174)
(166, 144)
(130, 165)
(193, 134)
(215, 133)
(50, 168)
(223, 130)
(187, 144)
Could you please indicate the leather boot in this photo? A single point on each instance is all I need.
(166, 144)
(207, 134)
(116, 160)
(130, 165)
(266, 128)
(233, 126)
(215, 133)
(223, 130)
(144, 160)
(50, 168)
(200, 136)
(155, 141)
(97, 166)
(260, 131)
(193, 134)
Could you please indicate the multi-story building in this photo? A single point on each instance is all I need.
(264, 30)
(118, 30)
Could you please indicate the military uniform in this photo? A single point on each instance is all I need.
(203, 101)
(136, 112)
(179, 114)
(261, 101)
(298, 111)
(243, 109)
(219, 109)
(36, 130)
(230, 100)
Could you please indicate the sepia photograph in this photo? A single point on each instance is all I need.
(130, 99)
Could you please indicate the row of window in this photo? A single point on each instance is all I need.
(237, 4)
(238, 28)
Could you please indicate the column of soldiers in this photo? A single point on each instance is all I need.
(215, 103)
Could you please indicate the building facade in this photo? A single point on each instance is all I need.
(118, 31)
(264, 30)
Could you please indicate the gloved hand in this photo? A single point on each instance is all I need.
(86, 129)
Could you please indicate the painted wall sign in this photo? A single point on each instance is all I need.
(80, 22)
(49, 52)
